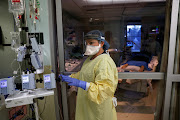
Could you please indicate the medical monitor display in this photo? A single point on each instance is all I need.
(129, 44)
(134, 35)
(25, 79)
(47, 78)
(3, 83)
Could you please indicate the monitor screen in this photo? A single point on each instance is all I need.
(25, 79)
(134, 35)
(47, 78)
(3, 83)
(129, 44)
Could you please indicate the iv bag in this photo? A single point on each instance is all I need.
(16, 6)
(15, 40)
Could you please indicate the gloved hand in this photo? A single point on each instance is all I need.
(74, 82)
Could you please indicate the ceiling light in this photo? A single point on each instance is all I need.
(96, 19)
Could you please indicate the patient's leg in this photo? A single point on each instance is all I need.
(124, 66)
(141, 69)
(129, 68)
(131, 81)
(150, 84)
(121, 69)
(119, 80)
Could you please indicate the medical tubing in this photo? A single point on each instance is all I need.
(19, 68)
(12, 64)
(12, 46)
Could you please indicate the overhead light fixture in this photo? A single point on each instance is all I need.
(96, 19)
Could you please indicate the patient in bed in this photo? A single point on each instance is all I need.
(138, 66)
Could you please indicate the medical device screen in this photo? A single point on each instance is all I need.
(47, 78)
(129, 44)
(3, 83)
(25, 79)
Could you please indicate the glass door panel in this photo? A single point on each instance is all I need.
(135, 32)
(175, 105)
(175, 92)
(171, 104)
(137, 101)
(177, 50)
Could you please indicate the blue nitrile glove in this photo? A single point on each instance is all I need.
(74, 82)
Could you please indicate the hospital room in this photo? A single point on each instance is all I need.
(89, 60)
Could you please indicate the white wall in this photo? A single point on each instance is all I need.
(6, 54)
(41, 26)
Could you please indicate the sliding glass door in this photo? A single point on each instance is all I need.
(136, 31)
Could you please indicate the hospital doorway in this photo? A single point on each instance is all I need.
(135, 30)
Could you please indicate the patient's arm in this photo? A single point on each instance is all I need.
(153, 63)
(127, 67)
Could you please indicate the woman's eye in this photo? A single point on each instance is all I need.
(91, 43)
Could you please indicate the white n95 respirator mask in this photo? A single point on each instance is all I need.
(92, 50)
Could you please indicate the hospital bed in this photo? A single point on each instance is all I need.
(136, 84)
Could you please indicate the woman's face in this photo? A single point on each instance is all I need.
(92, 42)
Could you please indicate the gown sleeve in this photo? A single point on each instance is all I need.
(105, 83)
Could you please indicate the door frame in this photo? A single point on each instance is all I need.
(171, 77)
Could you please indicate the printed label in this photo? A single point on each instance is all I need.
(15, 0)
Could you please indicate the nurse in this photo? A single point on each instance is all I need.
(96, 81)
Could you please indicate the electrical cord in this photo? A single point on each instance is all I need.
(40, 118)
(32, 107)
(19, 68)
(12, 64)
(43, 107)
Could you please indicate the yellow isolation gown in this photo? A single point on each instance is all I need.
(96, 103)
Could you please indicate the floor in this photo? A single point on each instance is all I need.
(131, 105)
(136, 105)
